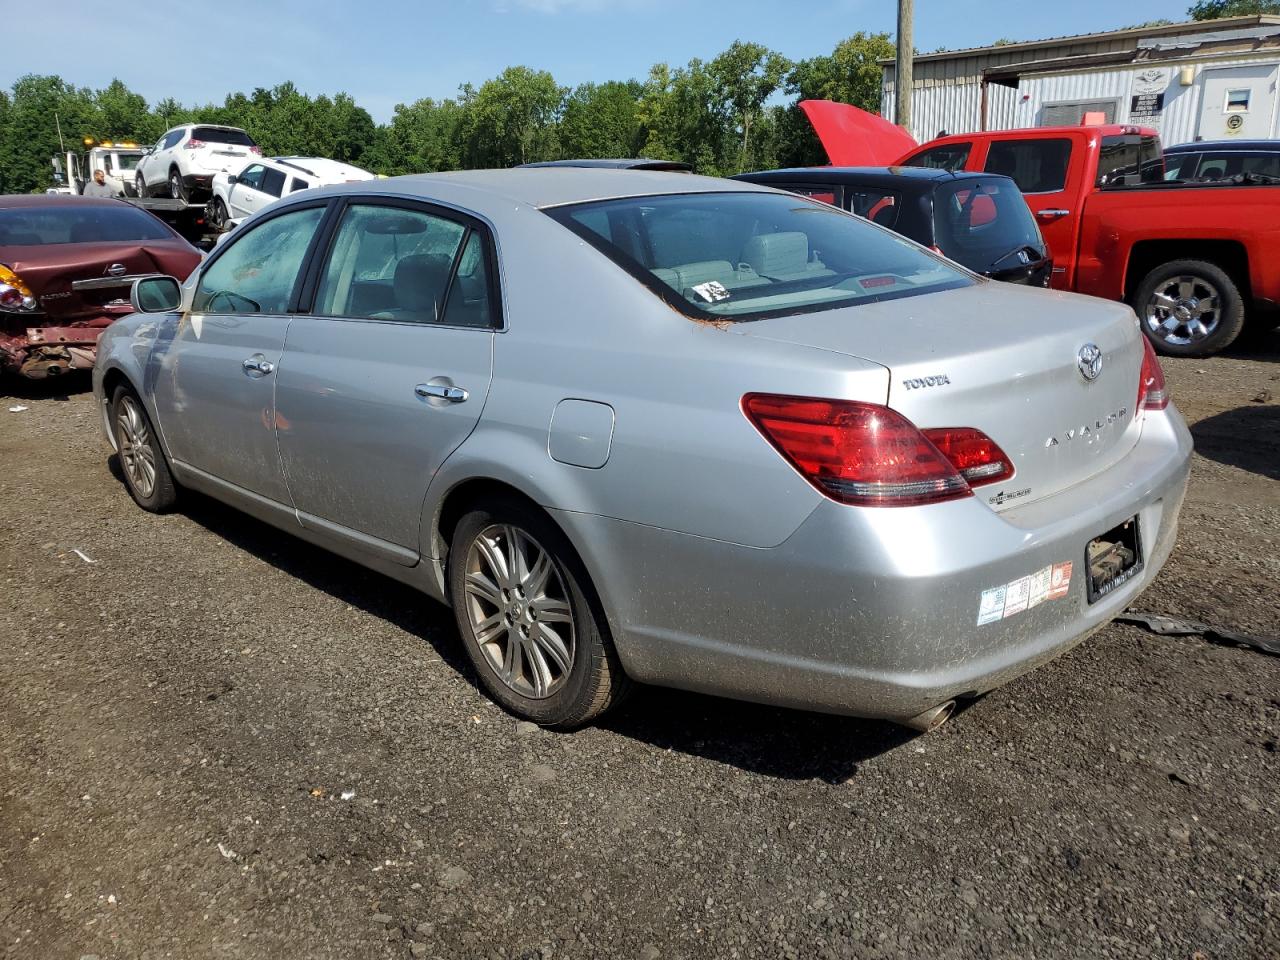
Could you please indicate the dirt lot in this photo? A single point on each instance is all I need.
(217, 742)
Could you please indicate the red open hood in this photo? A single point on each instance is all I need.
(856, 138)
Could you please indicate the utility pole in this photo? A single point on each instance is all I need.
(902, 69)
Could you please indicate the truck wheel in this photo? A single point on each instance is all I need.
(1189, 308)
(176, 188)
(141, 186)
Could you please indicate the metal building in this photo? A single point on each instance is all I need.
(1205, 80)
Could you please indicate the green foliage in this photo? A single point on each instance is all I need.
(735, 112)
(1213, 9)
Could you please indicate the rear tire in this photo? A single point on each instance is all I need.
(177, 189)
(1189, 308)
(530, 622)
(146, 471)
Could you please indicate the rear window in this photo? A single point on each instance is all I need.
(1035, 165)
(982, 223)
(878, 206)
(237, 138)
(73, 223)
(747, 256)
(1125, 160)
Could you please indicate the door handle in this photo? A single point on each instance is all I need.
(438, 391)
(258, 364)
(1052, 213)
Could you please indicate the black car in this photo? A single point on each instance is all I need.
(979, 220)
(1222, 159)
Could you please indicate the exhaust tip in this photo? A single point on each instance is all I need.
(932, 718)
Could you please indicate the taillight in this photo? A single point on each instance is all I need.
(978, 458)
(194, 144)
(256, 149)
(15, 296)
(1152, 393)
(857, 453)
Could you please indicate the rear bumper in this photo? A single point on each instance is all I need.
(44, 351)
(875, 612)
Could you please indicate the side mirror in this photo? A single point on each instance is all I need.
(232, 179)
(158, 294)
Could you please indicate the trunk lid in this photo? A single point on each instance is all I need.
(1001, 358)
(82, 281)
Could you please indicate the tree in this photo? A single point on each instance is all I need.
(1214, 9)
(512, 118)
(745, 76)
(686, 119)
(602, 120)
(40, 105)
(851, 74)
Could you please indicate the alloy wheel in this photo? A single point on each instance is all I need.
(1183, 310)
(141, 186)
(137, 454)
(519, 612)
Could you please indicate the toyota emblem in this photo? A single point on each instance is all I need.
(1089, 360)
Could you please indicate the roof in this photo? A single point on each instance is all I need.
(622, 163)
(28, 200)
(897, 177)
(1225, 146)
(1186, 26)
(538, 186)
(320, 167)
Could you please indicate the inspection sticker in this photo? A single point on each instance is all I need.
(1025, 593)
(991, 605)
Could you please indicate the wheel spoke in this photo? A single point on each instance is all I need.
(550, 610)
(512, 660)
(547, 640)
(517, 569)
(1197, 330)
(478, 585)
(1207, 304)
(495, 560)
(539, 671)
(1186, 288)
(1169, 324)
(488, 630)
(1163, 301)
(535, 581)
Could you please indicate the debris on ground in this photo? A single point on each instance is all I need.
(1173, 627)
(82, 555)
(18, 409)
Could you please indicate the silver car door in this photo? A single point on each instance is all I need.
(387, 373)
(214, 372)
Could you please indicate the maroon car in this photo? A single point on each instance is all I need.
(66, 268)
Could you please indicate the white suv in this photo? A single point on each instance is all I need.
(236, 196)
(183, 162)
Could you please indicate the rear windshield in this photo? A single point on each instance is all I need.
(1129, 159)
(980, 223)
(217, 135)
(746, 256)
(126, 161)
(73, 223)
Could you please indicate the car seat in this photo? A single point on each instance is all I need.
(783, 256)
(419, 283)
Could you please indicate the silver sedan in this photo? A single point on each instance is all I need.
(638, 426)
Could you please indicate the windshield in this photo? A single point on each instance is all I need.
(745, 256)
(236, 138)
(73, 223)
(980, 223)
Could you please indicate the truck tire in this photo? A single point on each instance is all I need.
(1189, 308)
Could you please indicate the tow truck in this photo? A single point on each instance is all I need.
(117, 160)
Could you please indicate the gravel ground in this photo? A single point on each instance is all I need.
(220, 742)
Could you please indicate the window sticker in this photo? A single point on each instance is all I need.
(711, 291)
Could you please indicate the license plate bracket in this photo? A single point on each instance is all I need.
(1113, 559)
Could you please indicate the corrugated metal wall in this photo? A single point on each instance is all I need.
(954, 104)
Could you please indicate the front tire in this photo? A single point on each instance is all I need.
(218, 215)
(141, 186)
(529, 620)
(146, 472)
(1189, 308)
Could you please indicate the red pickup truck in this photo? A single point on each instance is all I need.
(1194, 260)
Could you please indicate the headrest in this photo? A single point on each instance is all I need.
(420, 282)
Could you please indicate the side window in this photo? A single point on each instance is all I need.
(298, 184)
(173, 138)
(251, 176)
(468, 304)
(257, 272)
(951, 157)
(823, 194)
(1036, 166)
(878, 206)
(390, 263)
(272, 182)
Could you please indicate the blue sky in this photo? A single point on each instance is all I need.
(385, 52)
